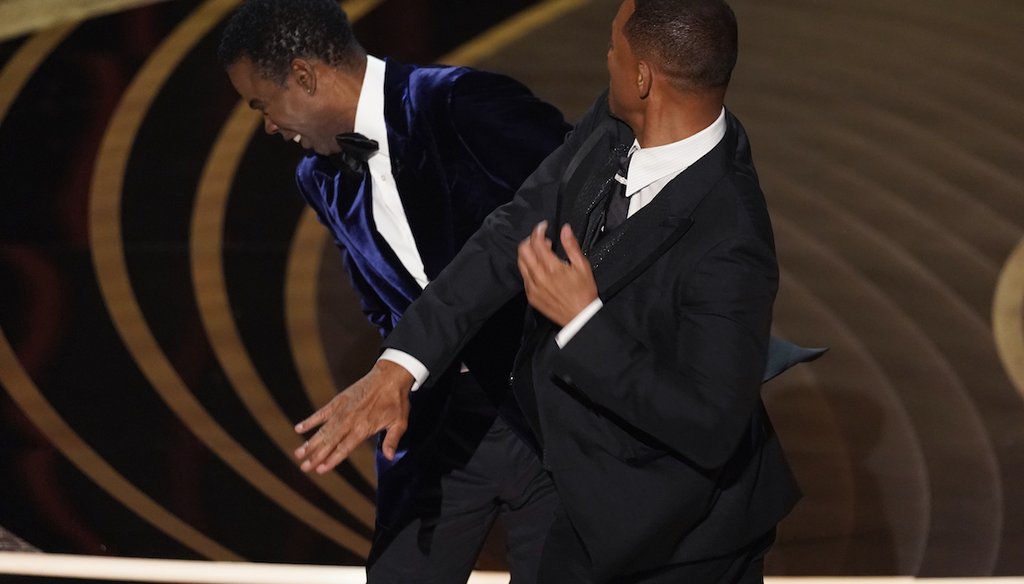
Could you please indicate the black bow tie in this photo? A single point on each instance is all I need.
(356, 149)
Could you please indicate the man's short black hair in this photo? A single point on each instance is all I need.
(693, 41)
(271, 33)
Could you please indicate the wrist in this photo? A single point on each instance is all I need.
(394, 374)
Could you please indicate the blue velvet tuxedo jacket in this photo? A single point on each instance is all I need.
(461, 142)
(650, 418)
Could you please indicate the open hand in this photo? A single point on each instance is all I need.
(559, 290)
(378, 401)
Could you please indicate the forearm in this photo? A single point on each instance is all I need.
(478, 281)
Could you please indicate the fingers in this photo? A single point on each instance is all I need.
(334, 456)
(572, 248)
(318, 448)
(529, 261)
(377, 401)
(314, 420)
(318, 418)
(536, 254)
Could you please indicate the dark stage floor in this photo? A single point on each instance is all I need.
(169, 309)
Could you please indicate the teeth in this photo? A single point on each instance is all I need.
(297, 139)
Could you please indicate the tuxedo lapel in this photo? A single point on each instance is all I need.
(586, 183)
(354, 213)
(420, 186)
(623, 254)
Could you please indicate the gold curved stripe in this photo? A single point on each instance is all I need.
(115, 284)
(19, 17)
(23, 391)
(311, 242)
(34, 405)
(20, 68)
(356, 9)
(304, 260)
(1008, 316)
(510, 31)
(305, 257)
(207, 239)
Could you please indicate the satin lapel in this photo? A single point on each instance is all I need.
(361, 238)
(421, 188)
(584, 182)
(621, 256)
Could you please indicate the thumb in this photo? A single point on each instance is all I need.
(389, 446)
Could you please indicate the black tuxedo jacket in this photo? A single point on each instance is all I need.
(461, 142)
(650, 418)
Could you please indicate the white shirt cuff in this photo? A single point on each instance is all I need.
(569, 330)
(407, 362)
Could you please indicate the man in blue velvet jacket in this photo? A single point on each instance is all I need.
(408, 162)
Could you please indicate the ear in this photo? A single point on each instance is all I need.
(305, 75)
(644, 79)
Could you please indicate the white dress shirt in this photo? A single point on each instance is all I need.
(650, 169)
(388, 213)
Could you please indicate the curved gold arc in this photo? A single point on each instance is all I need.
(509, 31)
(19, 385)
(23, 64)
(305, 257)
(1008, 316)
(302, 277)
(207, 239)
(34, 405)
(356, 9)
(115, 285)
(18, 17)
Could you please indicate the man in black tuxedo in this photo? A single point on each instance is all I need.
(407, 163)
(645, 345)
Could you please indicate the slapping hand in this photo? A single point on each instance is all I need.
(378, 401)
(557, 289)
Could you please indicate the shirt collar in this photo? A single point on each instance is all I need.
(649, 165)
(370, 107)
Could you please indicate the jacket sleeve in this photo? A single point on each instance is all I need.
(372, 306)
(503, 127)
(484, 275)
(370, 303)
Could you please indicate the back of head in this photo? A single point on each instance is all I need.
(692, 42)
(271, 33)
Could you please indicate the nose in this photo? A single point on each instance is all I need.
(269, 126)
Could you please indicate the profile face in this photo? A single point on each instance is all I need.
(623, 94)
(288, 110)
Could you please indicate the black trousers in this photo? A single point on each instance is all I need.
(565, 561)
(481, 478)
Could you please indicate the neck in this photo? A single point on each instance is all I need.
(344, 86)
(669, 117)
